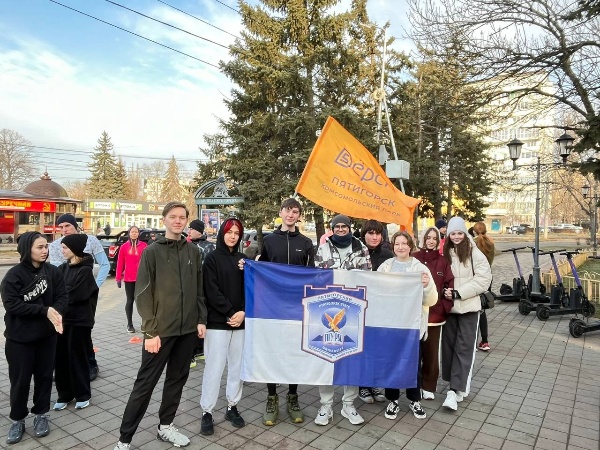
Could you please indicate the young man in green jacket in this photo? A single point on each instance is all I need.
(170, 299)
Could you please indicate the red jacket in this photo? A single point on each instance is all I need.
(442, 276)
(128, 262)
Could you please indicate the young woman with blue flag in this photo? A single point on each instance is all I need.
(403, 245)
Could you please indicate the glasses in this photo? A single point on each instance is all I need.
(341, 227)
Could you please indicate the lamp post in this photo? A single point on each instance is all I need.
(564, 148)
(585, 190)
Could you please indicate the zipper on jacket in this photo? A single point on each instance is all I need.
(181, 289)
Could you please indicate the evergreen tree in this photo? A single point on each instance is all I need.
(296, 63)
(103, 182)
(171, 189)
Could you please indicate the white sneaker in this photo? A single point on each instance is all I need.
(324, 415)
(121, 446)
(391, 412)
(172, 435)
(428, 395)
(460, 396)
(350, 413)
(451, 402)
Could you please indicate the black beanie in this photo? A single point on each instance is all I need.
(197, 225)
(70, 218)
(76, 243)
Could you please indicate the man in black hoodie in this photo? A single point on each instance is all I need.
(170, 300)
(35, 298)
(286, 245)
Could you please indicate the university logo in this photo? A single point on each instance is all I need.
(334, 321)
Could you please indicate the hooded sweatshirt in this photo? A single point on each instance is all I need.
(28, 292)
(288, 247)
(441, 272)
(223, 284)
(83, 292)
(168, 290)
(128, 261)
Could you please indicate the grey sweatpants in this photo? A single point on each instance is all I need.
(459, 344)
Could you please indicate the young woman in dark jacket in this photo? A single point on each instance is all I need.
(372, 234)
(35, 299)
(224, 340)
(443, 278)
(72, 371)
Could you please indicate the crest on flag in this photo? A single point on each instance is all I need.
(334, 321)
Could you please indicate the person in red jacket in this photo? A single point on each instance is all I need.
(443, 278)
(128, 262)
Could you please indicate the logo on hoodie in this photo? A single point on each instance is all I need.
(35, 290)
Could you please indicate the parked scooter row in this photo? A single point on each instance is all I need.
(559, 302)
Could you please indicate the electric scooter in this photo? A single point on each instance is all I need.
(578, 327)
(514, 294)
(529, 301)
(578, 301)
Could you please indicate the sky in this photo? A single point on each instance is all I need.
(65, 77)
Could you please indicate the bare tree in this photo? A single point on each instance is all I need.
(153, 174)
(16, 168)
(511, 39)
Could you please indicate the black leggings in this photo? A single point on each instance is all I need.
(130, 293)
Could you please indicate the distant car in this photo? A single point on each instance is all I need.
(250, 243)
(566, 228)
(524, 229)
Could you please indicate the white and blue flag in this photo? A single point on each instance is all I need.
(331, 327)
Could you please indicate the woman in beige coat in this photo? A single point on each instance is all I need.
(472, 276)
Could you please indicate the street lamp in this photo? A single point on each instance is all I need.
(585, 190)
(564, 149)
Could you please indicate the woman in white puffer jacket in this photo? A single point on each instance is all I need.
(472, 277)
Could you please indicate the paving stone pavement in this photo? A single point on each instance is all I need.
(538, 388)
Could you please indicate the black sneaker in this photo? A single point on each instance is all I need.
(94, 373)
(40, 425)
(130, 329)
(206, 426)
(391, 412)
(417, 410)
(234, 417)
(15, 434)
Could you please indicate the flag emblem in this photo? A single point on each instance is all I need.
(334, 320)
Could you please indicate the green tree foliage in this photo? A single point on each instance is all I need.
(296, 63)
(104, 181)
(171, 189)
(437, 112)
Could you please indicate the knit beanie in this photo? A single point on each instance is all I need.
(440, 223)
(340, 219)
(76, 243)
(457, 224)
(70, 218)
(197, 225)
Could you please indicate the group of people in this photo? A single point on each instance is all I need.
(186, 291)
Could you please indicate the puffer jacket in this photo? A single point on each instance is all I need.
(329, 257)
(470, 286)
(430, 294)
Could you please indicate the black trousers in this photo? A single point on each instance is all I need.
(175, 353)
(130, 294)
(72, 368)
(483, 326)
(24, 361)
(413, 394)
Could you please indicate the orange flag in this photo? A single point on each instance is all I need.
(343, 176)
